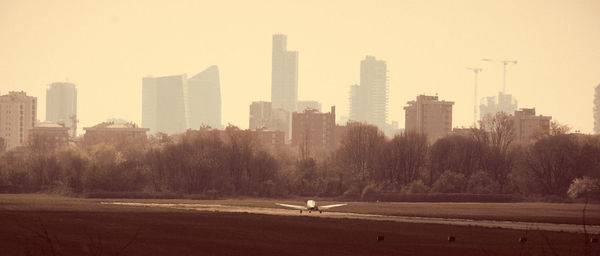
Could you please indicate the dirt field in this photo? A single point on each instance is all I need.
(51, 225)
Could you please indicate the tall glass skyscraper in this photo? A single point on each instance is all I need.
(369, 100)
(163, 104)
(204, 99)
(61, 105)
(284, 75)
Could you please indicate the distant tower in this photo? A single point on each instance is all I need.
(284, 75)
(204, 99)
(503, 103)
(369, 100)
(163, 104)
(61, 105)
(597, 110)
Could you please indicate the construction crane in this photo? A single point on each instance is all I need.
(475, 71)
(504, 62)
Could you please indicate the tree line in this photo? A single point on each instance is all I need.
(232, 162)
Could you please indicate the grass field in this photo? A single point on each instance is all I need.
(54, 225)
(528, 212)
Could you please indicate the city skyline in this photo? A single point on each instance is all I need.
(426, 47)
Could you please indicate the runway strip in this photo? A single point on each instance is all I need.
(592, 229)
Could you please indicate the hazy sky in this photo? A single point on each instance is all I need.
(106, 47)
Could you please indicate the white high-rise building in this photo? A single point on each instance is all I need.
(204, 99)
(61, 105)
(284, 75)
(18, 114)
(164, 104)
(369, 100)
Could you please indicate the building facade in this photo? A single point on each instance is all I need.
(369, 100)
(204, 99)
(61, 105)
(49, 135)
(597, 110)
(260, 115)
(284, 75)
(115, 134)
(164, 107)
(527, 125)
(502, 103)
(18, 114)
(430, 116)
(272, 139)
(264, 117)
(314, 131)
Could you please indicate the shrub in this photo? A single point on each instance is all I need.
(416, 187)
(481, 183)
(450, 182)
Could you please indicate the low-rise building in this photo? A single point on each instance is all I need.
(48, 135)
(115, 134)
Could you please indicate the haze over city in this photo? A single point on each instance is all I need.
(106, 47)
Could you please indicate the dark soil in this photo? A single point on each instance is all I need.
(100, 231)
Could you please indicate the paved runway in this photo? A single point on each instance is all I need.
(346, 215)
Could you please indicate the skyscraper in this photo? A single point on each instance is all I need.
(427, 115)
(18, 114)
(369, 100)
(61, 105)
(284, 75)
(204, 99)
(597, 110)
(503, 103)
(163, 104)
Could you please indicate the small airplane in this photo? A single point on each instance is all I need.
(311, 205)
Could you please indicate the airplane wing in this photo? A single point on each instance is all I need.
(294, 206)
(325, 207)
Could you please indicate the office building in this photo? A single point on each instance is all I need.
(260, 115)
(164, 107)
(528, 126)
(264, 117)
(61, 105)
(204, 99)
(502, 103)
(284, 75)
(314, 131)
(18, 114)
(430, 116)
(369, 100)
